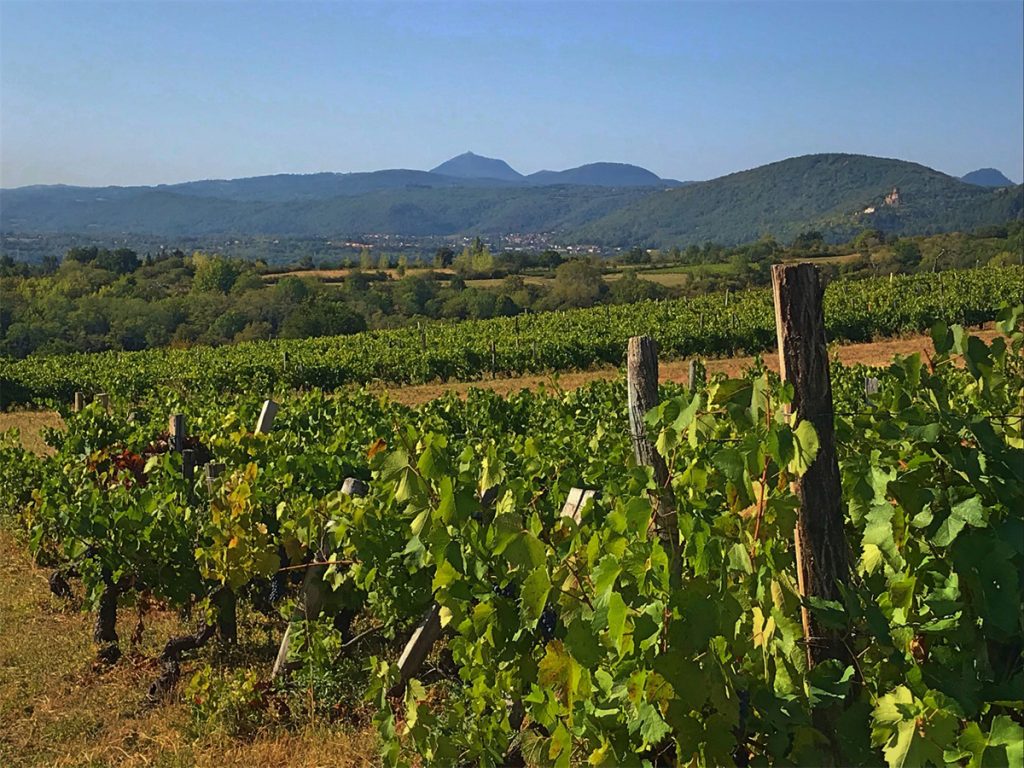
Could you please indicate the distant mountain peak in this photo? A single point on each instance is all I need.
(472, 166)
(987, 177)
(601, 175)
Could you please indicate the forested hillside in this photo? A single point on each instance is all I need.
(835, 194)
(831, 193)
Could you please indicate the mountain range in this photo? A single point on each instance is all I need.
(610, 204)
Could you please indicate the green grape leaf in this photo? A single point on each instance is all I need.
(616, 620)
(806, 447)
(534, 596)
(583, 643)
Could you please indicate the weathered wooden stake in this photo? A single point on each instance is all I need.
(176, 429)
(642, 383)
(494, 361)
(79, 402)
(821, 547)
(103, 399)
(266, 420)
(692, 375)
(576, 501)
(419, 645)
(213, 471)
(423, 336)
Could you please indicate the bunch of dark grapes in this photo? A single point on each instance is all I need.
(508, 591)
(277, 585)
(548, 622)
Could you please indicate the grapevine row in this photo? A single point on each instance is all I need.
(711, 325)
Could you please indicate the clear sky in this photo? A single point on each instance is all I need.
(145, 92)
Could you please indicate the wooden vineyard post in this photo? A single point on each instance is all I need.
(694, 375)
(313, 590)
(213, 471)
(576, 501)
(79, 402)
(103, 399)
(642, 383)
(821, 547)
(494, 361)
(266, 419)
(176, 429)
(419, 645)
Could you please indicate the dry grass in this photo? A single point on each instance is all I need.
(58, 709)
(31, 424)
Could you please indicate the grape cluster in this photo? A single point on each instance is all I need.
(277, 585)
(508, 591)
(548, 622)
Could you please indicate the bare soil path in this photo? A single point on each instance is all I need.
(31, 423)
(871, 353)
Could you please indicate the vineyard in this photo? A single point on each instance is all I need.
(711, 325)
(489, 567)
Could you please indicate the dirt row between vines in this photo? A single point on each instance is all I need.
(870, 353)
(31, 423)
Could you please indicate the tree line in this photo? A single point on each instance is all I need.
(97, 299)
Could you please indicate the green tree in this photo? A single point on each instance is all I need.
(213, 274)
(443, 257)
(907, 253)
(630, 288)
(577, 284)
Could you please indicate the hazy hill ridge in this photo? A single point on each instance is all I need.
(987, 177)
(470, 166)
(838, 194)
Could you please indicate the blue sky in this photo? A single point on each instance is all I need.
(144, 93)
